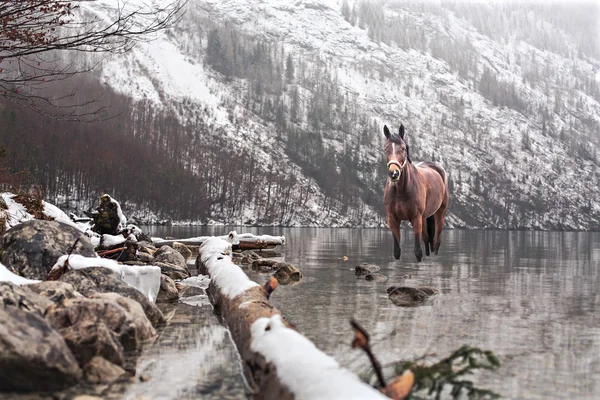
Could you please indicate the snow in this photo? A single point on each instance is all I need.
(228, 277)
(232, 237)
(305, 370)
(16, 212)
(7, 276)
(122, 219)
(146, 278)
(112, 240)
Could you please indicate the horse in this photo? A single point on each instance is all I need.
(417, 193)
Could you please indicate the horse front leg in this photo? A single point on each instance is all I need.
(395, 227)
(417, 224)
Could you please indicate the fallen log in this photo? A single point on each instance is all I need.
(279, 363)
(244, 241)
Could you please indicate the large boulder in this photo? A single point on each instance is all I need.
(55, 291)
(33, 356)
(182, 249)
(22, 298)
(92, 280)
(33, 247)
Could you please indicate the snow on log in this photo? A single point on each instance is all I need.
(145, 278)
(278, 361)
(244, 241)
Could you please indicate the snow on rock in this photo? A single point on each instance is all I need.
(305, 370)
(7, 276)
(228, 277)
(112, 240)
(17, 213)
(146, 278)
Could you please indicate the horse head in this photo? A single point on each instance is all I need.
(396, 152)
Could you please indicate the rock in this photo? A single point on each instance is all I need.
(173, 271)
(99, 370)
(365, 268)
(145, 257)
(88, 340)
(144, 329)
(33, 247)
(376, 277)
(405, 296)
(22, 298)
(146, 247)
(33, 356)
(194, 249)
(189, 291)
(168, 255)
(55, 291)
(287, 273)
(168, 291)
(182, 249)
(265, 265)
(102, 280)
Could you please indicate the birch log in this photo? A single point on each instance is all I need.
(246, 241)
(279, 363)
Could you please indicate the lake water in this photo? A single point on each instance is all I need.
(530, 297)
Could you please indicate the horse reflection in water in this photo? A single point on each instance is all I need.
(417, 193)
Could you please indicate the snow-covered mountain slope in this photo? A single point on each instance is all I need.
(515, 124)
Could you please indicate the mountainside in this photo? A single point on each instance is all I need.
(278, 107)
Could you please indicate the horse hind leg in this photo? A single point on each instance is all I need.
(430, 231)
(439, 225)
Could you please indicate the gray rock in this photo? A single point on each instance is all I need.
(365, 268)
(168, 291)
(145, 257)
(33, 247)
(405, 296)
(99, 370)
(55, 291)
(33, 356)
(168, 255)
(375, 277)
(287, 274)
(182, 249)
(173, 271)
(101, 280)
(22, 298)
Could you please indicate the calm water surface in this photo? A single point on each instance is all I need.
(531, 297)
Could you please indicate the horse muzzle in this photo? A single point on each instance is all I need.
(395, 170)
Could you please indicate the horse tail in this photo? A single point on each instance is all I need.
(430, 229)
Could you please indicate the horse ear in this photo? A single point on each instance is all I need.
(386, 131)
(401, 131)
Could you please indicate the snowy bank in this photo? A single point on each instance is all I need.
(277, 357)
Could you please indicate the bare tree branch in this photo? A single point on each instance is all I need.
(36, 34)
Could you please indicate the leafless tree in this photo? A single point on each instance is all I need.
(37, 36)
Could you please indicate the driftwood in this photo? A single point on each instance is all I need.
(247, 241)
(279, 363)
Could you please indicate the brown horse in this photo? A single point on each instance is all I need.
(416, 193)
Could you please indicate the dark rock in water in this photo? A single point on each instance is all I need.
(376, 277)
(168, 255)
(22, 298)
(99, 370)
(33, 247)
(173, 271)
(168, 291)
(365, 268)
(33, 356)
(182, 249)
(287, 274)
(405, 296)
(55, 291)
(88, 281)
